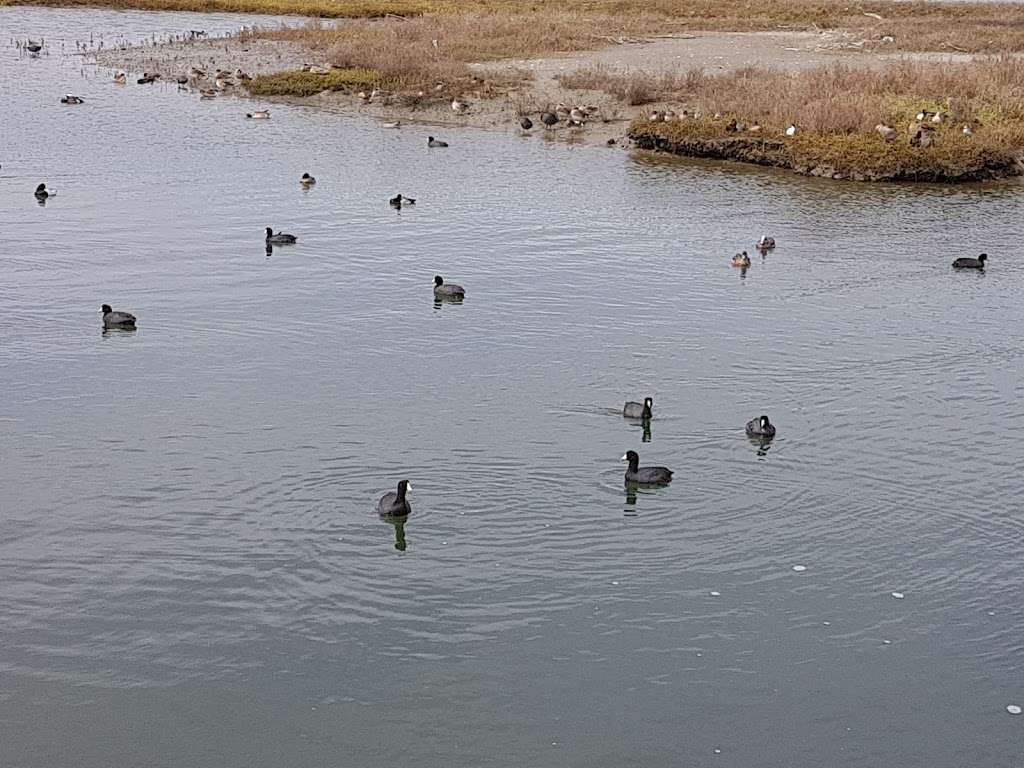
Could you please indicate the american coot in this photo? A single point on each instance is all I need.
(399, 200)
(41, 192)
(112, 319)
(443, 290)
(638, 410)
(550, 119)
(760, 427)
(525, 123)
(646, 475)
(393, 503)
(307, 180)
(280, 238)
(966, 262)
(432, 142)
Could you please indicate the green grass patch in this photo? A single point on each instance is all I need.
(298, 83)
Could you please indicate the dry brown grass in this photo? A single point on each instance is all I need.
(836, 109)
(418, 53)
(914, 26)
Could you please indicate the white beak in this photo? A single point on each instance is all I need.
(408, 486)
(624, 458)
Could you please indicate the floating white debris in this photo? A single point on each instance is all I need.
(827, 623)
(799, 568)
(1013, 709)
(898, 595)
(615, 583)
(716, 594)
(991, 613)
(718, 751)
(444, 542)
(700, 654)
(887, 642)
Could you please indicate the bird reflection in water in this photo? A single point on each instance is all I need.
(646, 424)
(270, 250)
(118, 330)
(398, 521)
(630, 510)
(761, 443)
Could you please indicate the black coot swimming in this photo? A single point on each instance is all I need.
(443, 290)
(638, 410)
(393, 503)
(760, 427)
(644, 475)
(966, 262)
(112, 319)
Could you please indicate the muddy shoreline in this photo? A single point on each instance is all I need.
(537, 88)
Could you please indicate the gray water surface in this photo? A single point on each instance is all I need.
(191, 569)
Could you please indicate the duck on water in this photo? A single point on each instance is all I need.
(112, 319)
(966, 262)
(645, 475)
(633, 410)
(281, 238)
(394, 503)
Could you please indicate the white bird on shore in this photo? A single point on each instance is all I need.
(967, 130)
(396, 124)
(458, 107)
(938, 118)
(887, 132)
(791, 131)
(577, 114)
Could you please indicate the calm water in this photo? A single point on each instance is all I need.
(191, 569)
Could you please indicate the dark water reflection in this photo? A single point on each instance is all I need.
(191, 571)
